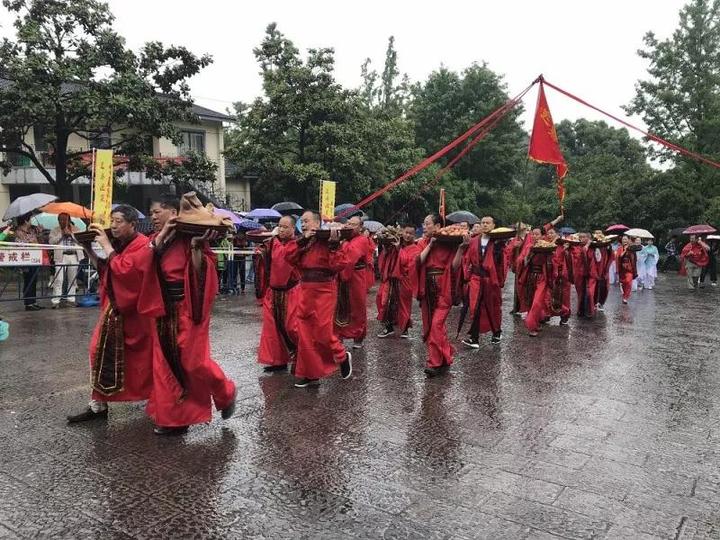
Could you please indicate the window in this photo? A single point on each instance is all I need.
(192, 141)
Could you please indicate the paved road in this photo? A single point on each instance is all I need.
(604, 429)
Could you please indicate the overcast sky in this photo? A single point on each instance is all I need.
(588, 48)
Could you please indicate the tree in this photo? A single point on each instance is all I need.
(680, 100)
(68, 73)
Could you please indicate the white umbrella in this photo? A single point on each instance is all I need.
(28, 203)
(639, 233)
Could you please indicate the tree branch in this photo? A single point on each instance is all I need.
(30, 154)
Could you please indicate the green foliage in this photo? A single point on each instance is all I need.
(70, 73)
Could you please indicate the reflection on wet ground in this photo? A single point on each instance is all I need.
(603, 429)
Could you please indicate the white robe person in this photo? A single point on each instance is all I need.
(650, 258)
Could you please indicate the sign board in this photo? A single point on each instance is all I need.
(102, 186)
(327, 200)
(20, 257)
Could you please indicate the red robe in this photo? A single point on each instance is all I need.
(512, 262)
(626, 265)
(599, 260)
(188, 401)
(408, 284)
(370, 263)
(581, 270)
(388, 292)
(552, 295)
(435, 278)
(351, 311)
(278, 338)
(129, 278)
(319, 351)
(486, 280)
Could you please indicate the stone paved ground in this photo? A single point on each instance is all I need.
(605, 429)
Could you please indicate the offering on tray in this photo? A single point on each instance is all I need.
(543, 246)
(195, 219)
(601, 240)
(452, 234)
(502, 233)
(389, 235)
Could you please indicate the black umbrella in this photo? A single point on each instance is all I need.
(461, 216)
(348, 210)
(287, 208)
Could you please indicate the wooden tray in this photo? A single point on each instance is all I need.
(542, 249)
(86, 237)
(258, 236)
(453, 239)
(198, 230)
(561, 241)
(324, 234)
(503, 235)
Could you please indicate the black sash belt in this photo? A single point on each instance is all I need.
(176, 290)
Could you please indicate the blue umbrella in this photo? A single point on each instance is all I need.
(248, 225)
(567, 230)
(263, 213)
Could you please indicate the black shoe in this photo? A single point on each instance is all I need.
(357, 344)
(304, 383)
(472, 343)
(386, 333)
(34, 307)
(170, 431)
(497, 336)
(228, 411)
(346, 366)
(432, 372)
(87, 415)
(564, 321)
(405, 334)
(270, 369)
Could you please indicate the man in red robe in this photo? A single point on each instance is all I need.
(626, 261)
(435, 275)
(552, 293)
(581, 276)
(351, 309)
(512, 262)
(124, 343)
(388, 292)
(319, 351)
(693, 258)
(186, 378)
(486, 258)
(278, 338)
(600, 264)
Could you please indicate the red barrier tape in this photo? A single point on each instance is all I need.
(650, 136)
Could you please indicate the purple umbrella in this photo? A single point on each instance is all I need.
(248, 225)
(263, 213)
(618, 228)
(700, 229)
(228, 214)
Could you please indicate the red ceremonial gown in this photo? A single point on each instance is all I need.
(408, 284)
(512, 262)
(626, 265)
(124, 343)
(351, 310)
(370, 262)
(581, 270)
(599, 260)
(278, 338)
(319, 351)
(186, 379)
(694, 253)
(388, 292)
(435, 295)
(486, 280)
(552, 295)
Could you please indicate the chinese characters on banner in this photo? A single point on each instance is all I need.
(327, 200)
(102, 187)
(20, 257)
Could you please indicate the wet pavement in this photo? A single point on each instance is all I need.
(603, 429)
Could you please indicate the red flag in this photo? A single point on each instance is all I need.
(544, 147)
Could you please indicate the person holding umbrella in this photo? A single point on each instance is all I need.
(66, 261)
(626, 264)
(693, 258)
(651, 257)
(28, 233)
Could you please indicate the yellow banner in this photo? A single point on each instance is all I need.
(102, 187)
(327, 200)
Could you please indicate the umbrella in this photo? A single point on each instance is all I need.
(28, 203)
(348, 210)
(567, 230)
(462, 215)
(700, 229)
(50, 221)
(69, 208)
(287, 208)
(639, 233)
(248, 225)
(617, 228)
(713, 237)
(373, 226)
(140, 214)
(263, 213)
(228, 214)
